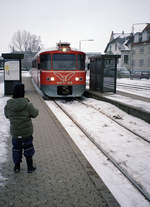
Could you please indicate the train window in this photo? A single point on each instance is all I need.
(64, 62)
(81, 62)
(45, 61)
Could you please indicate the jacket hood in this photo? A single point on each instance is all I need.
(17, 104)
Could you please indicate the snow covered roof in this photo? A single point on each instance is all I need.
(122, 38)
(120, 35)
(147, 28)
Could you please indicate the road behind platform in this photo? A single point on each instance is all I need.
(63, 176)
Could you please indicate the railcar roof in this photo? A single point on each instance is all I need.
(55, 49)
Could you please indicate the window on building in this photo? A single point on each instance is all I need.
(141, 62)
(145, 36)
(133, 63)
(148, 62)
(137, 37)
(109, 48)
(115, 45)
(126, 59)
(141, 50)
(134, 51)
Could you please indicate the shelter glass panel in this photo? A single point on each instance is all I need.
(109, 75)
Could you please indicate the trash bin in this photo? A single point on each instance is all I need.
(12, 71)
(103, 73)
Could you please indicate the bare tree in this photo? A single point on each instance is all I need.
(25, 42)
(28, 44)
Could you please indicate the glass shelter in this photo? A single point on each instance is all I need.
(103, 73)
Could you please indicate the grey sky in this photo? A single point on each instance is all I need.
(70, 20)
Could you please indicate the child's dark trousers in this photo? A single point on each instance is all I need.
(22, 145)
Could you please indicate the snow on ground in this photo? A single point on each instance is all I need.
(4, 127)
(145, 106)
(137, 82)
(121, 189)
(143, 93)
(137, 125)
(4, 131)
(118, 185)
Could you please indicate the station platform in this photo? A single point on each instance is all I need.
(63, 178)
(129, 105)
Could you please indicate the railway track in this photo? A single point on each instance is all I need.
(116, 121)
(130, 178)
(141, 188)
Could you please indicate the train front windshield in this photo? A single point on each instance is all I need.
(64, 62)
(68, 62)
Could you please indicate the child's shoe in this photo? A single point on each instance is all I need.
(30, 165)
(17, 168)
(30, 170)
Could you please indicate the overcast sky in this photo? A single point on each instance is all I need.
(70, 20)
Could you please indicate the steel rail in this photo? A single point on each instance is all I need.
(115, 163)
(122, 125)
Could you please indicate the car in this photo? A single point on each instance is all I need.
(140, 75)
(24, 69)
(145, 74)
(123, 72)
(135, 74)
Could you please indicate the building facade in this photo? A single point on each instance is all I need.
(120, 44)
(140, 50)
(134, 49)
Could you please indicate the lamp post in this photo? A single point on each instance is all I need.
(83, 40)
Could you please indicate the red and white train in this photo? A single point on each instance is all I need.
(60, 72)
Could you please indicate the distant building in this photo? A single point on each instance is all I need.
(120, 44)
(134, 49)
(140, 51)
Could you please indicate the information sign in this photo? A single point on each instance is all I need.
(12, 70)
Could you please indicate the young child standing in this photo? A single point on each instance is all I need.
(19, 110)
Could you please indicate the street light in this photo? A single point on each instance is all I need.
(83, 40)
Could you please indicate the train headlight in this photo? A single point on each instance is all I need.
(64, 49)
(52, 78)
(77, 78)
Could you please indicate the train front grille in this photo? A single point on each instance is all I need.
(64, 90)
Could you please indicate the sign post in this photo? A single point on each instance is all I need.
(12, 71)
